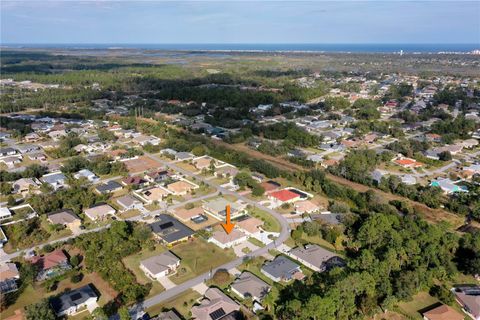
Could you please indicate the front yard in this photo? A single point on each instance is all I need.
(198, 256)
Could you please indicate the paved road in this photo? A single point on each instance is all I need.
(168, 294)
(7, 257)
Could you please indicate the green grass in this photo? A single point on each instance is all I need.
(133, 263)
(198, 256)
(420, 301)
(256, 242)
(269, 222)
(182, 303)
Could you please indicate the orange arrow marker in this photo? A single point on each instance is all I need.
(228, 226)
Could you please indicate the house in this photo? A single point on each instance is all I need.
(87, 174)
(108, 187)
(408, 179)
(128, 202)
(144, 140)
(65, 218)
(51, 264)
(305, 206)
(377, 175)
(56, 180)
(167, 315)
(5, 213)
(11, 161)
(74, 301)
(448, 186)
(31, 137)
(249, 225)
(181, 187)
(315, 257)
(184, 214)
(37, 156)
(469, 143)
(282, 269)
(469, 298)
(183, 156)
(160, 266)
(7, 152)
(249, 285)
(227, 240)
(24, 185)
(443, 312)
(152, 194)
(170, 230)
(8, 277)
(283, 196)
(157, 176)
(99, 212)
(214, 306)
(26, 148)
(134, 181)
(407, 162)
(217, 208)
(226, 171)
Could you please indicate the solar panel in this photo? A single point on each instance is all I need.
(166, 225)
(217, 314)
(76, 296)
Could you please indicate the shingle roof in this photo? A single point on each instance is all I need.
(250, 285)
(170, 229)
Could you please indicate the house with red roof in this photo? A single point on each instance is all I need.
(51, 264)
(281, 197)
(407, 162)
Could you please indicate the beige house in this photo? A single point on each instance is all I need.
(66, 218)
(99, 212)
(160, 266)
(181, 187)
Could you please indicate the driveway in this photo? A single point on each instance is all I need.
(166, 283)
(238, 249)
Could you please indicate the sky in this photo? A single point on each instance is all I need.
(166, 22)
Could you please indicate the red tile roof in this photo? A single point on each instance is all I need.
(284, 195)
(50, 260)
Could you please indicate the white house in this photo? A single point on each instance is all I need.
(160, 266)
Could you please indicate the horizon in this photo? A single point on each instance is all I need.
(252, 22)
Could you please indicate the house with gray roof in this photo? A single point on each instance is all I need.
(315, 257)
(56, 180)
(170, 230)
(160, 266)
(129, 202)
(469, 298)
(181, 156)
(108, 187)
(249, 285)
(74, 301)
(281, 269)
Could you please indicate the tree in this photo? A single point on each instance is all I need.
(124, 314)
(40, 311)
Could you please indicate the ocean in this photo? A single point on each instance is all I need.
(306, 47)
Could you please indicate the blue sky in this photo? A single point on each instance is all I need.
(240, 22)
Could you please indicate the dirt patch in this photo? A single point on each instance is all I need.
(141, 164)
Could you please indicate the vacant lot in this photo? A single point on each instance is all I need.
(182, 303)
(141, 164)
(199, 256)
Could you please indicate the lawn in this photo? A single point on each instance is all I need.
(256, 242)
(199, 256)
(182, 303)
(129, 214)
(269, 222)
(419, 302)
(254, 265)
(36, 292)
(133, 264)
